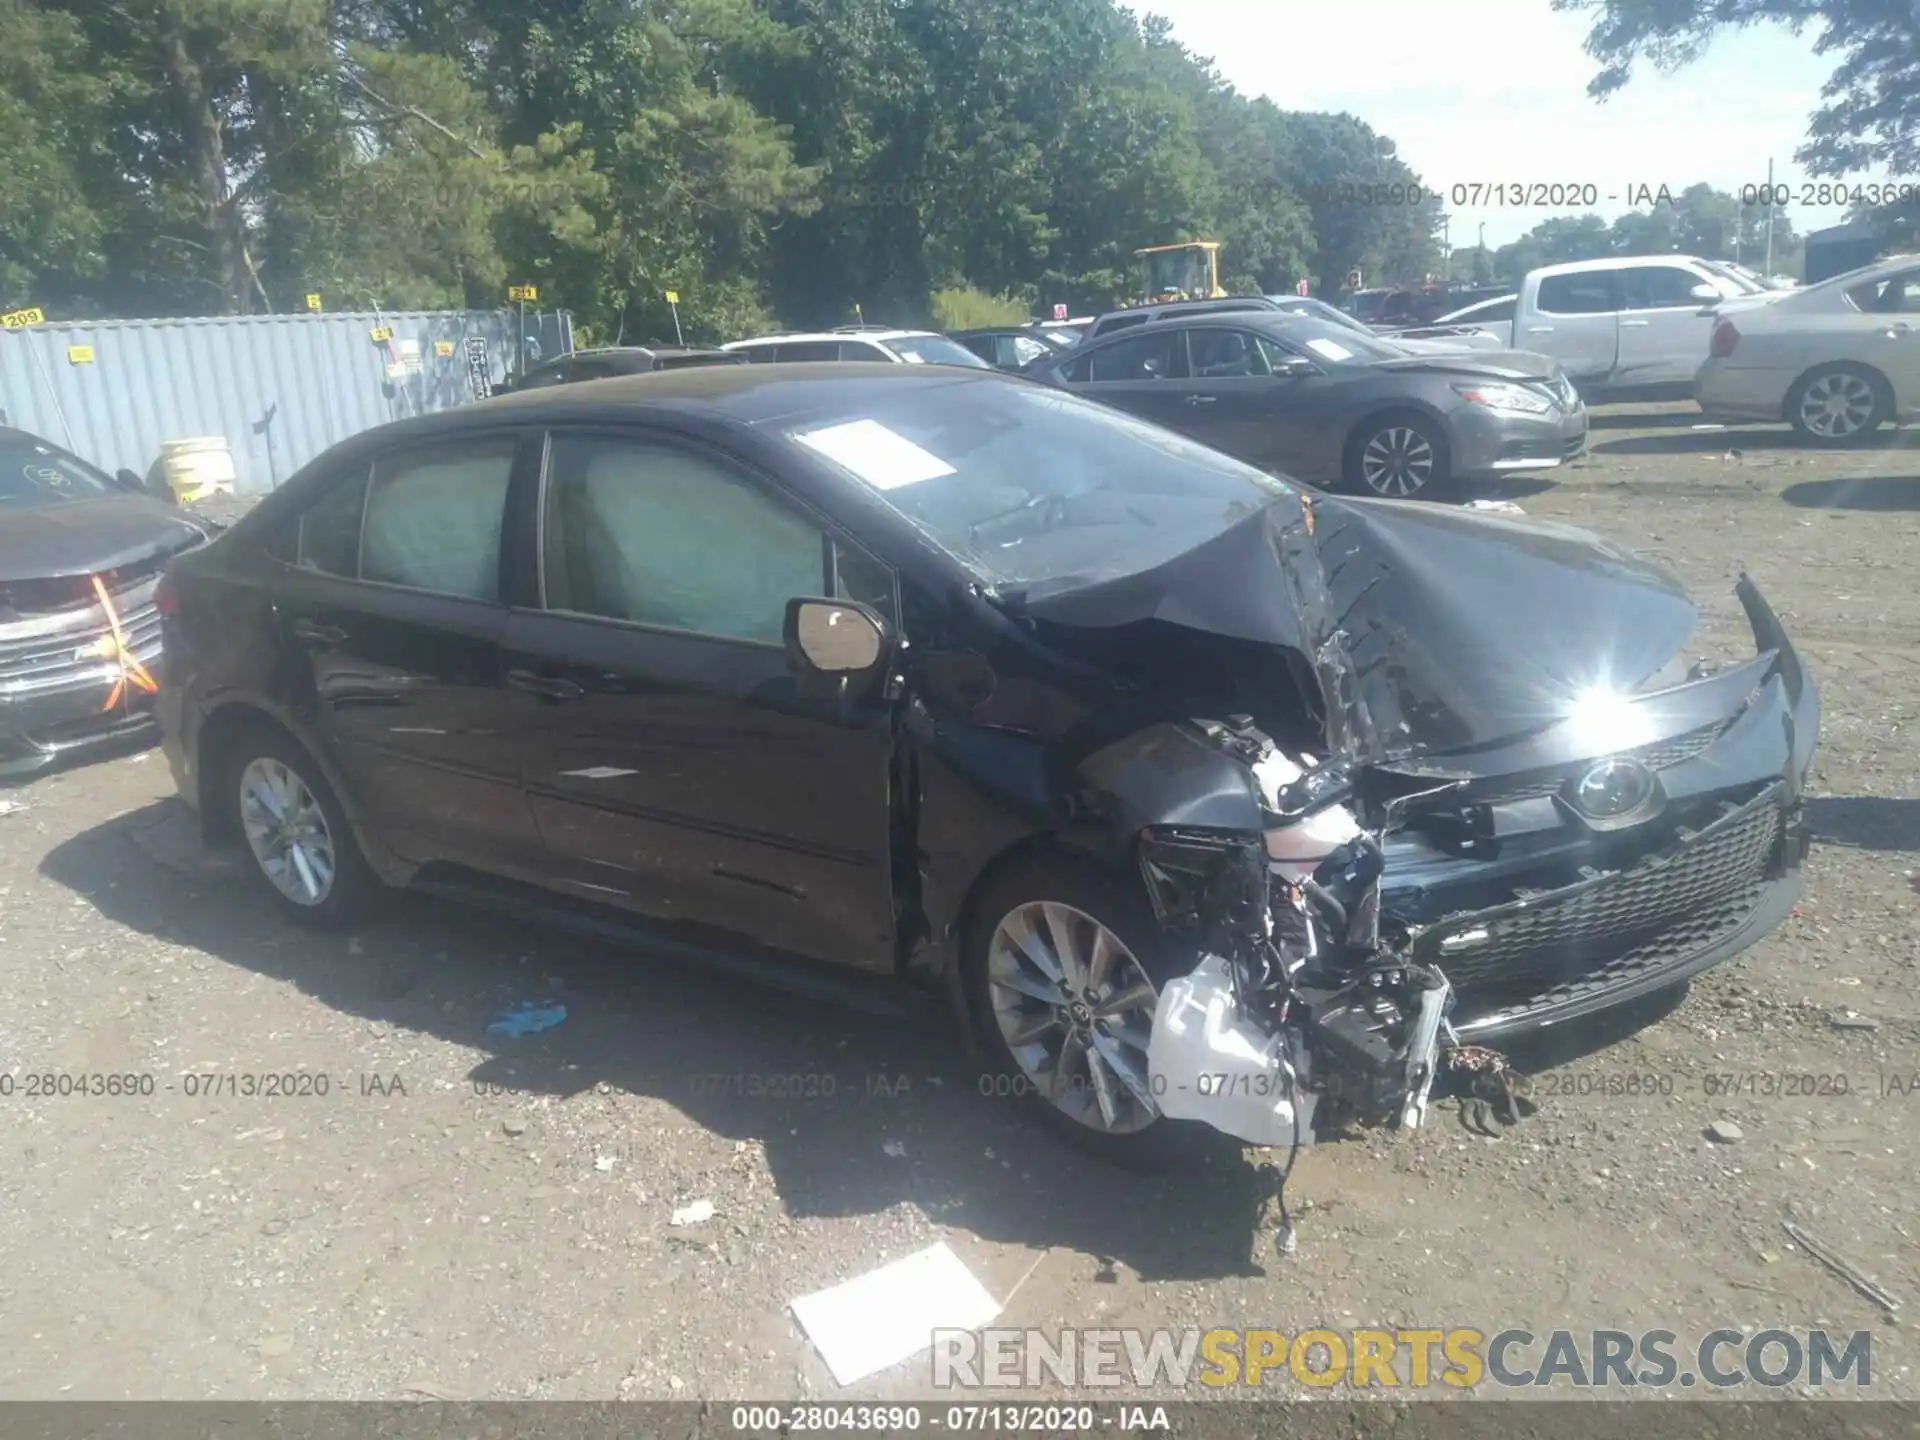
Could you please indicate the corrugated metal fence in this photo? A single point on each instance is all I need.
(280, 388)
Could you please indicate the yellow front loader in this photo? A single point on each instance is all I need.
(1187, 271)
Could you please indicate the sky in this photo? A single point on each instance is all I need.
(1501, 96)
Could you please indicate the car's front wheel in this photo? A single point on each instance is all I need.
(304, 851)
(1397, 457)
(1063, 969)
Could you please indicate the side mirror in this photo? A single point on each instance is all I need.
(836, 639)
(127, 480)
(1295, 367)
(1704, 291)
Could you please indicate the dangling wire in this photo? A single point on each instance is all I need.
(113, 646)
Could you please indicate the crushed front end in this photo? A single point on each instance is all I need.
(1395, 912)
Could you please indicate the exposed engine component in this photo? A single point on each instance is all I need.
(1304, 1014)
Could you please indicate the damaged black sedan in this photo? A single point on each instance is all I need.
(1204, 797)
(80, 555)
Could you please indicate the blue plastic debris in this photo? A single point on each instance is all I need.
(527, 1019)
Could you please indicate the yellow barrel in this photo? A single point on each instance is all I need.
(195, 469)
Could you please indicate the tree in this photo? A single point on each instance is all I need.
(1869, 118)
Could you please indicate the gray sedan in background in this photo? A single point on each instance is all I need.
(1324, 404)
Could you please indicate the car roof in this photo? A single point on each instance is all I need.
(811, 336)
(1613, 262)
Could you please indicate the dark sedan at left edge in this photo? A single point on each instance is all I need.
(934, 674)
(80, 554)
(1322, 403)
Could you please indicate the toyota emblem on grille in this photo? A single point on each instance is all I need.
(1612, 788)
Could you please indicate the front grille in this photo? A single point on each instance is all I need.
(1660, 755)
(64, 659)
(1555, 940)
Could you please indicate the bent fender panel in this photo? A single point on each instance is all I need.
(1166, 774)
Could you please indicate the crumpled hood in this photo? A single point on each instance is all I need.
(1432, 629)
(84, 537)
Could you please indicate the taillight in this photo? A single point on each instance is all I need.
(166, 599)
(1725, 337)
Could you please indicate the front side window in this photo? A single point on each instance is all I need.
(1226, 355)
(1661, 287)
(657, 535)
(805, 350)
(434, 518)
(1586, 292)
(1159, 356)
(1891, 295)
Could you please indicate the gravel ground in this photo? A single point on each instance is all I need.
(470, 1217)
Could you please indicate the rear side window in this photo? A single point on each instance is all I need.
(1587, 292)
(329, 538)
(757, 354)
(809, 350)
(434, 518)
(546, 375)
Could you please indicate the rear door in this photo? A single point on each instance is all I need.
(674, 765)
(1140, 374)
(1663, 332)
(1575, 319)
(393, 608)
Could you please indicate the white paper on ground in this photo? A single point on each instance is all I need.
(863, 1325)
(881, 457)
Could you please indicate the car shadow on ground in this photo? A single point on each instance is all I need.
(1856, 492)
(1747, 438)
(1641, 420)
(827, 1093)
(1865, 822)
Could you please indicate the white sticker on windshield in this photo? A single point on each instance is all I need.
(1329, 349)
(882, 458)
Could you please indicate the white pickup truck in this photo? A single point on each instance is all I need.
(1626, 323)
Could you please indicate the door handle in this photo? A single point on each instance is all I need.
(547, 687)
(1633, 324)
(1201, 399)
(315, 633)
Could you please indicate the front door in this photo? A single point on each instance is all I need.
(1236, 403)
(1139, 374)
(393, 605)
(1663, 335)
(674, 766)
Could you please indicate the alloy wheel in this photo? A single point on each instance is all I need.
(287, 831)
(1397, 462)
(1076, 1010)
(1837, 406)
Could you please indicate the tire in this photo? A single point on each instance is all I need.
(1839, 404)
(1397, 457)
(268, 767)
(1079, 896)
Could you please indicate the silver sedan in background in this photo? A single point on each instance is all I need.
(1836, 360)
